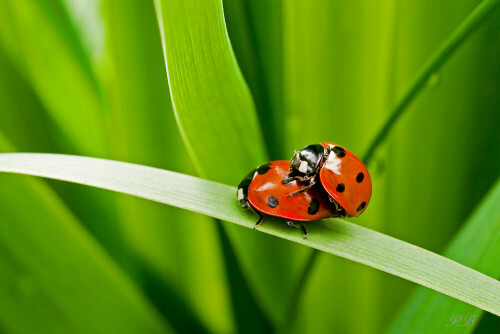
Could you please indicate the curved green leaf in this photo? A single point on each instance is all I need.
(144, 131)
(48, 261)
(477, 245)
(25, 122)
(334, 236)
(435, 61)
(34, 32)
(216, 115)
(209, 95)
(378, 38)
(255, 30)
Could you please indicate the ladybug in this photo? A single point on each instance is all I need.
(263, 191)
(342, 174)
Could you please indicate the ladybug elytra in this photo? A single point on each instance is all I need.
(263, 191)
(342, 174)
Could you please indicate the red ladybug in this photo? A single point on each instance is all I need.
(262, 191)
(342, 174)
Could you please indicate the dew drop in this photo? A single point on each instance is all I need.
(434, 80)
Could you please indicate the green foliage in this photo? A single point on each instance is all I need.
(144, 131)
(217, 118)
(36, 31)
(476, 245)
(89, 78)
(215, 102)
(55, 277)
(336, 237)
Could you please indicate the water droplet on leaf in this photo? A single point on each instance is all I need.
(434, 80)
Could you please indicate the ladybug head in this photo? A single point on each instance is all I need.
(307, 160)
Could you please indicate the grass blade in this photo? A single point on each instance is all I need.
(61, 82)
(151, 137)
(216, 115)
(334, 92)
(477, 245)
(255, 30)
(48, 261)
(19, 103)
(208, 92)
(241, 294)
(334, 236)
(29, 127)
(436, 60)
(433, 64)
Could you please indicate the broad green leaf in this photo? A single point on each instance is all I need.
(18, 103)
(336, 72)
(144, 131)
(423, 168)
(38, 38)
(209, 95)
(334, 236)
(24, 121)
(255, 31)
(353, 52)
(5, 145)
(428, 74)
(477, 246)
(487, 325)
(218, 122)
(55, 277)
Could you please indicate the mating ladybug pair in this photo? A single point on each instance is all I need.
(320, 181)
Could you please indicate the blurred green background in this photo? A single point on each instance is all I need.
(88, 78)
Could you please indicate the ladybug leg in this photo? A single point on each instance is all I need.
(312, 182)
(261, 217)
(340, 210)
(289, 178)
(302, 227)
(259, 222)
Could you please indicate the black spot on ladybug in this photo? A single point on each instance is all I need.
(340, 187)
(339, 151)
(360, 177)
(361, 207)
(272, 201)
(313, 207)
(263, 168)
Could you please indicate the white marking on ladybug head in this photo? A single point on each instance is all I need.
(333, 163)
(303, 167)
(254, 175)
(240, 194)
